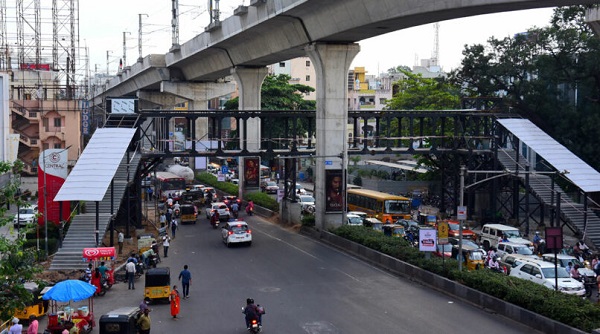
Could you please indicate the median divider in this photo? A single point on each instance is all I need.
(444, 285)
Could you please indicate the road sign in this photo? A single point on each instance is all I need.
(443, 233)
(224, 169)
(328, 162)
(461, 213)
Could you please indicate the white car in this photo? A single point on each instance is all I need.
(542, 272)
(26, 215)
(513, 248)
(236, 232)
(353, 220)
(222, 209)
(306, 201)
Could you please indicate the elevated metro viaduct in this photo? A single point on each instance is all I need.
(274, 30)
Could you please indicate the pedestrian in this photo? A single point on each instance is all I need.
(130, 270)
(144, 322)
(173, 227)
(163, 219)
(174, 302)
(33, 325)
(97, 280)
(149, 192)
(120, 239)
(186, 279)
(166, 244)
(16, 328)
(144, 304)
(169, 215)
(88, 273)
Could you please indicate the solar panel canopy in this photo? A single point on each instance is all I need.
(97, 165)
(573, 168)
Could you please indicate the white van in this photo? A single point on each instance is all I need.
(491, 234)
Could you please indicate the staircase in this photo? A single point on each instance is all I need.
(541, 187)
(81, 233)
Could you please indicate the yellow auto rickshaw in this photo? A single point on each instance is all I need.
(37, 307)
(158, 284)
(189, 213)
(472, 257)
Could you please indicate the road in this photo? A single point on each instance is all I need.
(305, 286)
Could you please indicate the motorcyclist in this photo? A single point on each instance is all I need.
(575, 273)
(251, 312)
(170, 201)
(176, 206)
(494, 265)
(250, 208)
(235, 208)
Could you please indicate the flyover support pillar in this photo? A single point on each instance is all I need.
(249, 80)
(331, 62)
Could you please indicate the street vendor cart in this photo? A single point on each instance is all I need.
(67, 292)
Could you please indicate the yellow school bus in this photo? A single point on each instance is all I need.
(383, 206)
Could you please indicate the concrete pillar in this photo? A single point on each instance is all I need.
(249, 82)
(331, 62)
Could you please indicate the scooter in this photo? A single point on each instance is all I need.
(249, 210)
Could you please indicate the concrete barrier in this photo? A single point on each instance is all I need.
(444, 285)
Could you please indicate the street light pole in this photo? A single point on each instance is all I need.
(463, 171)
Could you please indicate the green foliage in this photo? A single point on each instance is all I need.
(571, 310)
(308, 220)
(263, 200)
(418, 93)
(358, 181)
(540, 74)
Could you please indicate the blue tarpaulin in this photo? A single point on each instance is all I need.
(70, 290)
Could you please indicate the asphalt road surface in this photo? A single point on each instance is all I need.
(305, 287)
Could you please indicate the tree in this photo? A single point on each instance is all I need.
(550, 75)
(17, 265)
(418, 93)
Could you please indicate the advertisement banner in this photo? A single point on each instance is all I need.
(98, 254)
(85, 118)
(251, 172)
(334, 190)
(52, 173)
(427, 239)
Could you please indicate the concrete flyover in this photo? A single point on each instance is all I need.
(269, 31)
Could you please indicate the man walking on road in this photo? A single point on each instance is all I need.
(130, 270)
(166, 245)
(186, 279)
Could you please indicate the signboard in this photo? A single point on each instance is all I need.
(442, 230)
(100, 253)
(328, 163)
(554, 238)
(334, 190)
(224, 169)
(427, 239)
(122, 105)
(461, 213)
(220, 177)
(279, 195)
(85, 118)
(52, 172)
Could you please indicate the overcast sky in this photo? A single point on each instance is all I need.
(102, 27)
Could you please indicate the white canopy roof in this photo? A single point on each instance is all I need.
(96, 166)
(580, 173)
(402, 164)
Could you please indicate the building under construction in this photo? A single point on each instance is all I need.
(39, 50)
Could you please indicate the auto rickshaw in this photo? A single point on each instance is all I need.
(158, 284)
(120, 321)
(472, 257)
(194, 196)
(189, 213)
(37, 307)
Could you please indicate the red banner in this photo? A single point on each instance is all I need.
(100, 253)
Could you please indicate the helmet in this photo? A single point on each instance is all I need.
(249, 301)
(537, 232)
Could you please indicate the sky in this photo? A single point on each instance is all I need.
(101, 29)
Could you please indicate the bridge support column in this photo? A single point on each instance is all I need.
(331, 62)
(249, 82)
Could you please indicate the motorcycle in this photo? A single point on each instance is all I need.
(255, 325)
(249, 210)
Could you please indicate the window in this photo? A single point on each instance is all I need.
(308, 63)
(57, 122)
(57, 145)
(282, 64)
(308, 78)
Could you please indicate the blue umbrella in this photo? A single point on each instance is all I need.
(70, 290)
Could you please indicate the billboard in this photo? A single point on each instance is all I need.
(52, 173)
(334, 190)
(251, 172)
(122, 105)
